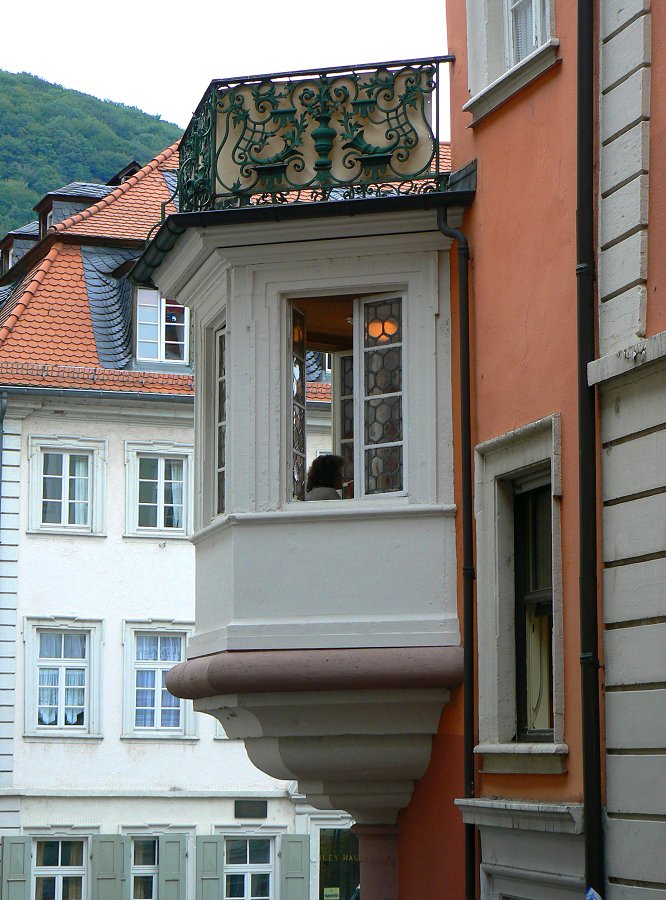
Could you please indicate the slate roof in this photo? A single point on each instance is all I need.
(84, 189)
(31, 229)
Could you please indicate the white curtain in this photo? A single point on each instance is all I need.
(78, 489)
(48, 696)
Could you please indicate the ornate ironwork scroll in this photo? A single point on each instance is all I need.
(312, 136)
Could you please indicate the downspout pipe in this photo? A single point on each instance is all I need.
(587, 462)
(3, 413)
(468, 537)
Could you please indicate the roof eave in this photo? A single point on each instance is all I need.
(177, 223)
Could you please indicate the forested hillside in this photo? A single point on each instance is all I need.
(50, 136)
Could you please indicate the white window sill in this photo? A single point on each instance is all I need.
(523, 758)
(69, 532)
(160, 535)
(512, 81)
(188, 738)
(523, 815)
(60, 736)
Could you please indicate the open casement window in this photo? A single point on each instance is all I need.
(534, 608)
(162, 328)
(526, 28)
(365, 339)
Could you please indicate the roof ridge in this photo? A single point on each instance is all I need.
(120, 191)
(35, 282)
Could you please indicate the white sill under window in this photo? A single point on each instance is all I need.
(523, 757)
(513, 80)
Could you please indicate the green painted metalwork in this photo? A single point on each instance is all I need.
(363, 131)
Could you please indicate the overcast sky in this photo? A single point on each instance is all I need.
(160, 58)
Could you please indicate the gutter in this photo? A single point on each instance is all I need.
(177, 223)
(587, 450)
(468, 540)
(90, 394)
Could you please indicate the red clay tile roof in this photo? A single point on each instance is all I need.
(318, 390)
(132, 209)
(93, 378)
(46, 330)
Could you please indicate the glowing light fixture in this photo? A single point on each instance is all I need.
(382, 330)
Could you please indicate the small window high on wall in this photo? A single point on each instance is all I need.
(162, 328)
(365, 340)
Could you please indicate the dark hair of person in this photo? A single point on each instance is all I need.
(325, 471)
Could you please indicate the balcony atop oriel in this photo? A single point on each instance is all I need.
(301, 137)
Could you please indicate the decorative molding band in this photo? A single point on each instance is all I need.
(630, 359)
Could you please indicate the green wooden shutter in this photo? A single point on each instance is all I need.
(295, 867)
(210, 866)
(16, 868)
(173, 857)
(110, 867)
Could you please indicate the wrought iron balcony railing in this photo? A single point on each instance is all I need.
(347, 133)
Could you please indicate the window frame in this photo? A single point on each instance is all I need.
(494, 76)
(161, 336)
(540, 29)
(249, 869)
(97, 451)
(33, 627)
(187, 730)
(357, 352)
(162, 450)
(59, 872)
(142, 870)
(500, 464)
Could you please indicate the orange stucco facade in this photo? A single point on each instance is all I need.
(521, 229)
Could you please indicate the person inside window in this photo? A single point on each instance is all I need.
(324, 480)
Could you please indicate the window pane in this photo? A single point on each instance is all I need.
(383, 371)
(235, 886)
(147, 351)
(51, 512)
(383, 323)
(45, 888)
(383, 470)
(142, 887)
(71, 853)
(77, 514)
(52, 488)
(50, 645)
(173, 469)
(175, 352)
(523, 29)
(145, 852)
(260, 851)
(78, 465)
(146, 646)
(74, 646)
(147, 516)
(48, 853)
(539, 633)
(261, 886)
(148, 492)
(170, 648)
(148, 467)
(383, 420)
(53, 464)
(144, 718)
(72, 887)
(148, 332)
(236, 852)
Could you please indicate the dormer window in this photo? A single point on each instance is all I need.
(364, 340)
(162, 328)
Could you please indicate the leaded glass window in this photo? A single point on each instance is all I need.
(298, 402)
(221, 419)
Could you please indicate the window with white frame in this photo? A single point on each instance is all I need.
(151, 650)
(162, 328)
(67, 484)
(59, 870)
(519, 591)
(145, 868)
(158, 488)
(365, 339)
(248, 868)
(509, 43)
(526, 28)
(62, 677)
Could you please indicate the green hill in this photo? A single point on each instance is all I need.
(51, 136)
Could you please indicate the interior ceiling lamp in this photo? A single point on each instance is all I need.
(382, 330)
